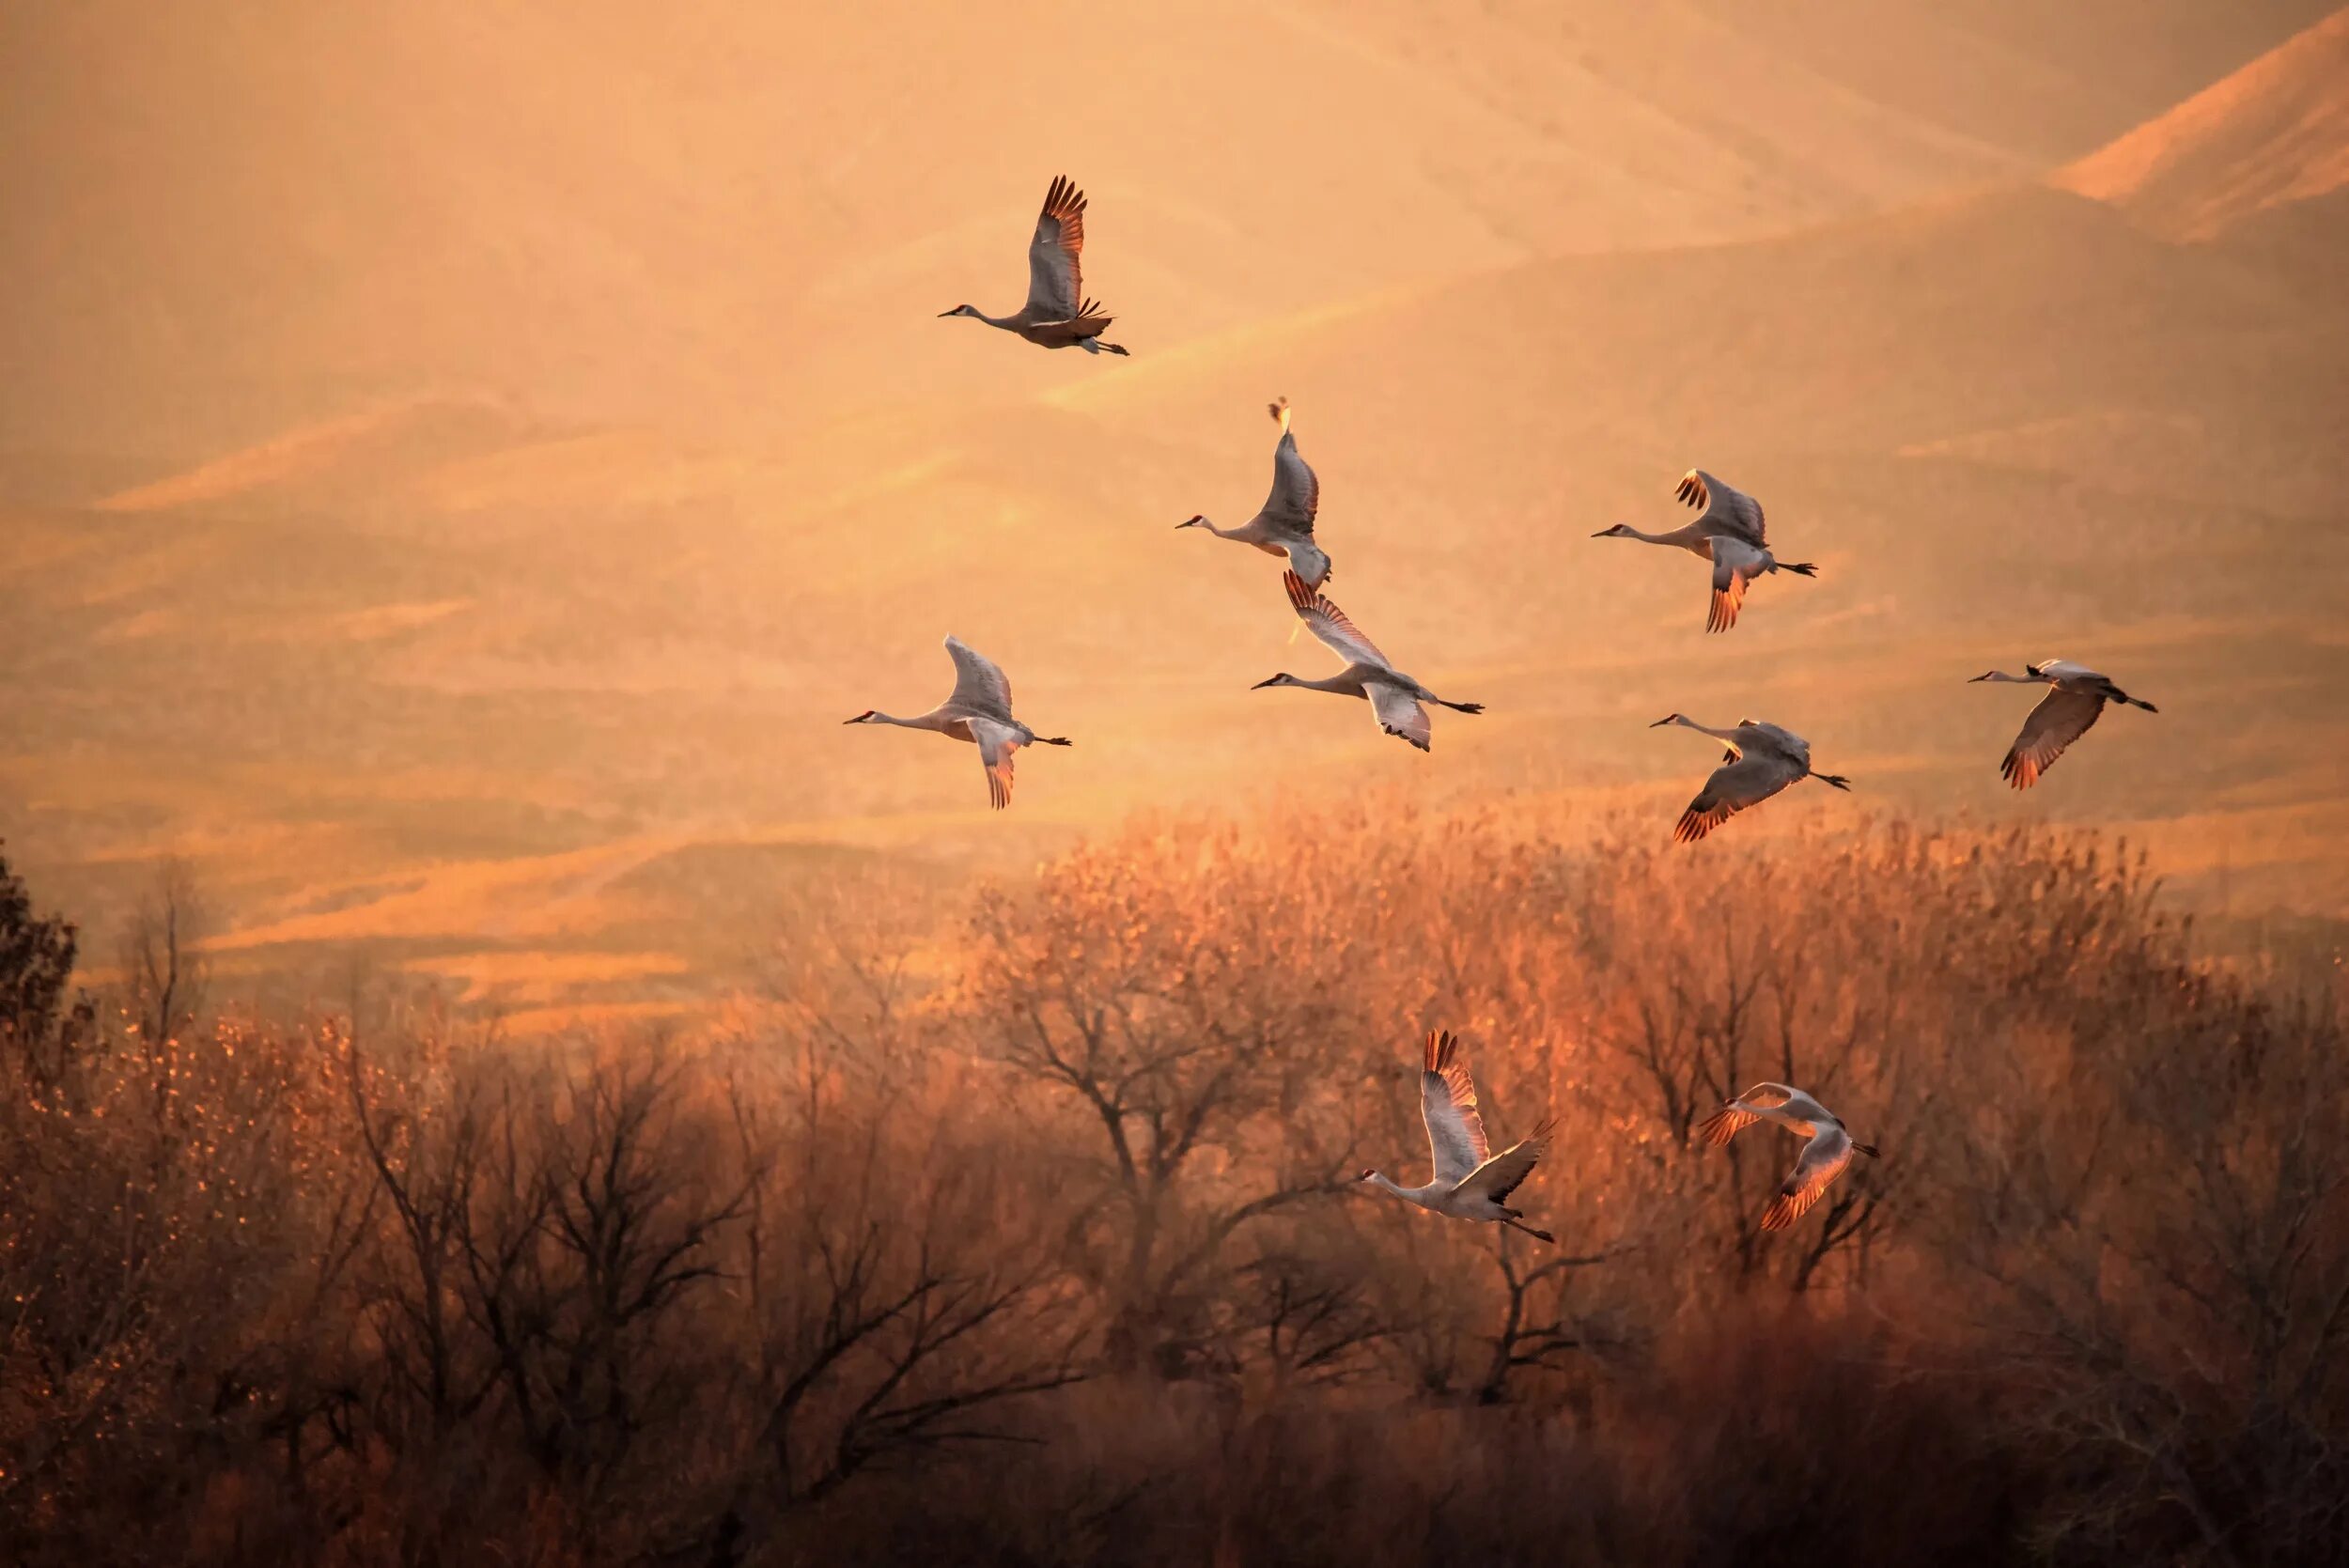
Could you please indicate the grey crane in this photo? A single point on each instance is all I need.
(1730, 533)
(1470, 1182)
(1284, 526)
(1823, 1158)
(2063, 716)
(1394, 697)
(1762, 760)
(978, 710)
(1057, 313)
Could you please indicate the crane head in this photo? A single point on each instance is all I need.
(1284, 678)
(864, 717)
(1667, 719)
(1197, 520)
(1615, 532)
(959, 310)
(1367, 1174)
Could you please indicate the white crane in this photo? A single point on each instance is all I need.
(1394, 697)
(1286, 525)
(1762, 760)
(1822, 1159)
(979, 711)
(1470, 1181)
(1057, 312)
(2063, 716)
(1730, 533)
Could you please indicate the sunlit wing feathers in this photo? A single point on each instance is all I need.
(1735, 566)
(1455, 1130)
(1055, 279)
(1822, 1160)
(1327, 622)
(996, 745)
(1296, 497)
(1725, 1123)
(1724, 508)
(1748, 781)
(1505, 1171)
(2061, 717)
(979, 685)
(1400, 713)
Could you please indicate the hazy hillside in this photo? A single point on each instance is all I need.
(539, 697)
(235, 218)
(2270, 136)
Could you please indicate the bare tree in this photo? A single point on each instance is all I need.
(161, 953)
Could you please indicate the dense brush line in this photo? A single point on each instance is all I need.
(1037, 1239)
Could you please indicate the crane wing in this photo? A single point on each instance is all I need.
(1327, 622)
(1296, 496)
(1822, 1160)
(997, 745)
(1506, 1171)
(1055, 277)
(1735, 564)
(1743, 1111)
(1748, 781)
(1400, 713)
(1455, 1131)
(1725, 508)
(979, 684)
(2061, 717)
(1725, 1123)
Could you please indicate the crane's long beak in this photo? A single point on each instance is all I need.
(1659, 724)
(943, 314)
(1273, 680)
(1975, 680)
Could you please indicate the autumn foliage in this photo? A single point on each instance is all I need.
(1030, 1233)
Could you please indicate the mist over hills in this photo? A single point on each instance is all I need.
(455, 503)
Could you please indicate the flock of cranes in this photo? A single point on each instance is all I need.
(1729, 533)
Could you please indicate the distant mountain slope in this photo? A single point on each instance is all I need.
(2272, 134)
(226, 220)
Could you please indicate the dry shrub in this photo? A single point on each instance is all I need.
(1032, 1235)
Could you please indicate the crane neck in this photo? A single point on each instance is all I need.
(1688, 722)
(1409, 1194)
(1683, 537)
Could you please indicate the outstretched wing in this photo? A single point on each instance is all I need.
(1748, 781)
(1327, 622)
(1725, 1123)
(1506, 1171)
(1735, 564)
(1738, 1114)
(1055, 279)
(1822, 1160)
(2061, 717)
(1455, 1132)
(1400, 713)
(997, 745)
(1296, 497)
(1726, 509)
(979, 685)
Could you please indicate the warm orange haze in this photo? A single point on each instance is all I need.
(526, 1081)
